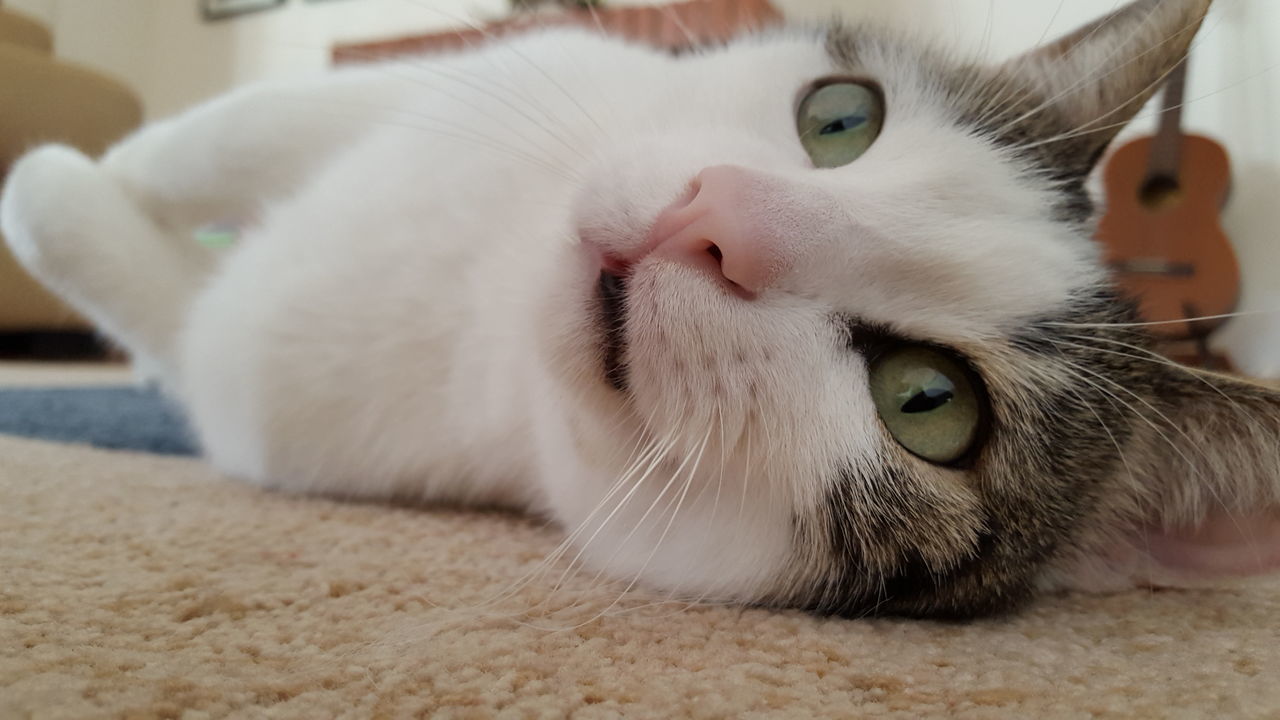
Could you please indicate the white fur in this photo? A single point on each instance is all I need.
(410, 313)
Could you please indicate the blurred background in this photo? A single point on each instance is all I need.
(148, 59)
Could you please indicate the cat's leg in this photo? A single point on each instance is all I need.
(74, 228)
(115, 238)
(224, 161)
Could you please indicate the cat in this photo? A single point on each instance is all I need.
(811, 320)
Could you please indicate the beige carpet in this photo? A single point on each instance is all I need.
(141, 587)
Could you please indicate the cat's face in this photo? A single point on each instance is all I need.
(829, 337)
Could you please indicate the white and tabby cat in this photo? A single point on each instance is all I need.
(811, 320)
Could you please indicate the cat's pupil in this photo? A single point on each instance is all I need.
(842, 125)
(928, 400)
(930, 391)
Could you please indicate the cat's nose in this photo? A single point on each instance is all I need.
(721, 226)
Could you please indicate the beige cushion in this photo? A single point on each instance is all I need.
(47, 100)
(21, 30)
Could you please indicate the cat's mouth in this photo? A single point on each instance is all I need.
(612, 289)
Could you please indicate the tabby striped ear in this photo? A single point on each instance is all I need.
(1099, 76)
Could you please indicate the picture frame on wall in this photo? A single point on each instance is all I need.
(224, 9)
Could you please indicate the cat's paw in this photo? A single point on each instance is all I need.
(47, 201)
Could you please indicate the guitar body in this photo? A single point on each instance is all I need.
(1163, 238)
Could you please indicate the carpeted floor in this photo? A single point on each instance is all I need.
(139, 586)
(146, 587)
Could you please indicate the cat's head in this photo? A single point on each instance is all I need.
(836, 336)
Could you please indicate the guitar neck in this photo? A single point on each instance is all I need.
(1166, 146)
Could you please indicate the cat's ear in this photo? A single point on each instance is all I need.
(1098, 77)
(1198, 491)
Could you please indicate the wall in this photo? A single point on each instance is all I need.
(173, 58)
(294, 40)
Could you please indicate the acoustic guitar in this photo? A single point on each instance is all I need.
(1162, 234)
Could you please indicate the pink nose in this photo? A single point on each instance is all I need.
(721, 226)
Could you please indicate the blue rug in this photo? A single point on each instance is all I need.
(118, 418)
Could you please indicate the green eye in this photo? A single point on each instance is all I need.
(839, 122)
(928, 401)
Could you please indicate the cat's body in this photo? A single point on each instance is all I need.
(607, 285)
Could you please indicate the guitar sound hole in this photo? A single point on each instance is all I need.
(1160, 192)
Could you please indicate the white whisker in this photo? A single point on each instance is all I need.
(1200, 318)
